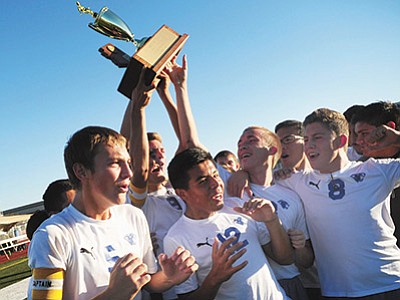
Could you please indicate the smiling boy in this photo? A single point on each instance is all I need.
(347, 210)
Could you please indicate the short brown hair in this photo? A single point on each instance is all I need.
(151, 136)
(82, 148)
(333, 120)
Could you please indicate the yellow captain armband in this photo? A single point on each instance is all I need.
(47, 283)
(136, 195)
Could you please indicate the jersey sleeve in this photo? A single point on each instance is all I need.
(148, 255)
(191, 284)
(390, 169)
(263, 233)
(49, 248)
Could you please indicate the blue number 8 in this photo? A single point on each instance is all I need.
(336, 189)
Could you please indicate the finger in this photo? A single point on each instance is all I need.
(176, 253)
(142, 280)
(187, 263)
(239, 267)
(226, 244)
(215, 247)
(184, 62)
(248, 191)
(238, 209)
(233, 258)
(125, 260)
(182, 257)
(136, 267)
(233, 248)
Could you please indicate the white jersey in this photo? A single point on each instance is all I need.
(352, 154)
(162, 209)
(87, 249)
(290, 211)
(255, 281)
(348, 217)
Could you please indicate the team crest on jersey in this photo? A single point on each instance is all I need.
(130, 238)
(239, 221)
(358, 177)
(284, 204)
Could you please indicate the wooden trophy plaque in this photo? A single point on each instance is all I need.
(154, 54)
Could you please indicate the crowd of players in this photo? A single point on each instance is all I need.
(308, 211)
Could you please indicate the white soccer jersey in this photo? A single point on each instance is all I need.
(162, 209)
(87, 249)
(255, 281)
(290, 211)
(348, 217)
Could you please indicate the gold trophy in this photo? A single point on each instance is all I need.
(153, 52)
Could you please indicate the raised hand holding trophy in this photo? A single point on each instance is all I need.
(153, 52)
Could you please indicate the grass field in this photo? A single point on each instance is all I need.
(13, 271)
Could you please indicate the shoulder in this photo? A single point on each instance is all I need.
(127, 211)
(282, 190)
(177, 228)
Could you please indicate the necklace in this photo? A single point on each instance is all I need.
(334, 184)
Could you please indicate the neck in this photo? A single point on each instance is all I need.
(195, 215)
(338, 163)
(261, 176)
(154, 187)
(303, 165)
(86, 205)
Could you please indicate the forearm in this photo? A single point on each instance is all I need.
(304, 257)
(281, 249)
(187, 126)
(139, 147)
(171, 108)
(207, 291)
(126, 123)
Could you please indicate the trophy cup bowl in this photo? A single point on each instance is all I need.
(110, 24)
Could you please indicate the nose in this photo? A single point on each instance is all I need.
(308, 144)
(214, 182)
(359, 140)
(126, 171)
(242, 146)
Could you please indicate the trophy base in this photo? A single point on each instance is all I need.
(154, 54)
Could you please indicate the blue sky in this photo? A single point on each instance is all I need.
(250, 63)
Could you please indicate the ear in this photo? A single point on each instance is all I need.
(273, 150)
(391, 124)
(80, 171)
(343, 140)
(181, 193)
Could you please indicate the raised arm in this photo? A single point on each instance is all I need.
(384, 137)
(138, 143)
(187, 126)
(166, 98)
